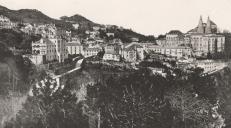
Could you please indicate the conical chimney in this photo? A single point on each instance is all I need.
(208, 26)
(200, 27)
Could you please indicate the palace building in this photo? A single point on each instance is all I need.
(205, 39)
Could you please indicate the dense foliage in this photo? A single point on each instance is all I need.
(17, 39)
(50, 106)
(144, 100)
(126, 35)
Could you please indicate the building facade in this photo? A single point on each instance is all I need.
(204, 39)
(178, 51)
(132, 52)
(91, 51)
(174, 38)
(207, 43)
(50, 49)
(74, 47)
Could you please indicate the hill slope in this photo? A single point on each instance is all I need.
(84, 23)
(65, 23)
(32, 16)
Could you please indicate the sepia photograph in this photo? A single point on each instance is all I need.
(115, 64)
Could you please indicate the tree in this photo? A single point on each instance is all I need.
(189, 108)
(51, 106)
(135, 101)
(193, 99)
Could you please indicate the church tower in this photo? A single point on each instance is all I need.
(200, 27)
(208, 29)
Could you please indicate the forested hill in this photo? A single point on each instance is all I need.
(65, 22)
(32, 16)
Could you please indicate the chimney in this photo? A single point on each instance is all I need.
(200, 27)
(208, 27)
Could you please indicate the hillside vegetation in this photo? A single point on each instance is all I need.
(65, 23)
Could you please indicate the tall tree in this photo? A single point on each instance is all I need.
(51, 106)
(190, 110)
(135, 101)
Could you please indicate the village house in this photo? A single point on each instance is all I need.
(134, 39)
(174, 38)
(76, 26)
(177, 51)
(112, 52)
(93, 34)
(209, 65)
(161, 40)
(28, 28)
(111, 55)
(68, 33)
(61, 50)
(96, 28)
(116, 41)
(91, 51)
(48, 50)
(43, 51)
(132, 52)
(47, 30)
(5, 23)
(74, 47)
(109, 34)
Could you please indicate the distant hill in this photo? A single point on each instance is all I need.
(32, 16)
(65, 22)
(84, 23)
(26, 15)
(77, 19)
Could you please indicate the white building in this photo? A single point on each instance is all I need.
(49, 49)
(210, 65)
(46, 31)
(177, 51)
(174, 38)
(203, 44)
(109, 34)
(37, 59)
(96, 28)
(61, 50)
(28, 28)
(112, 52)
(132, 52)
(74, 47)
(111, 56)
(91, 51)
(5, 23)
(76, 26)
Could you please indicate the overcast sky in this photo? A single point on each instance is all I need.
(144, 16)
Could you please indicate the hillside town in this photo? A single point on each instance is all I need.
(195, 48)
(57, 45)
(74, 73)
